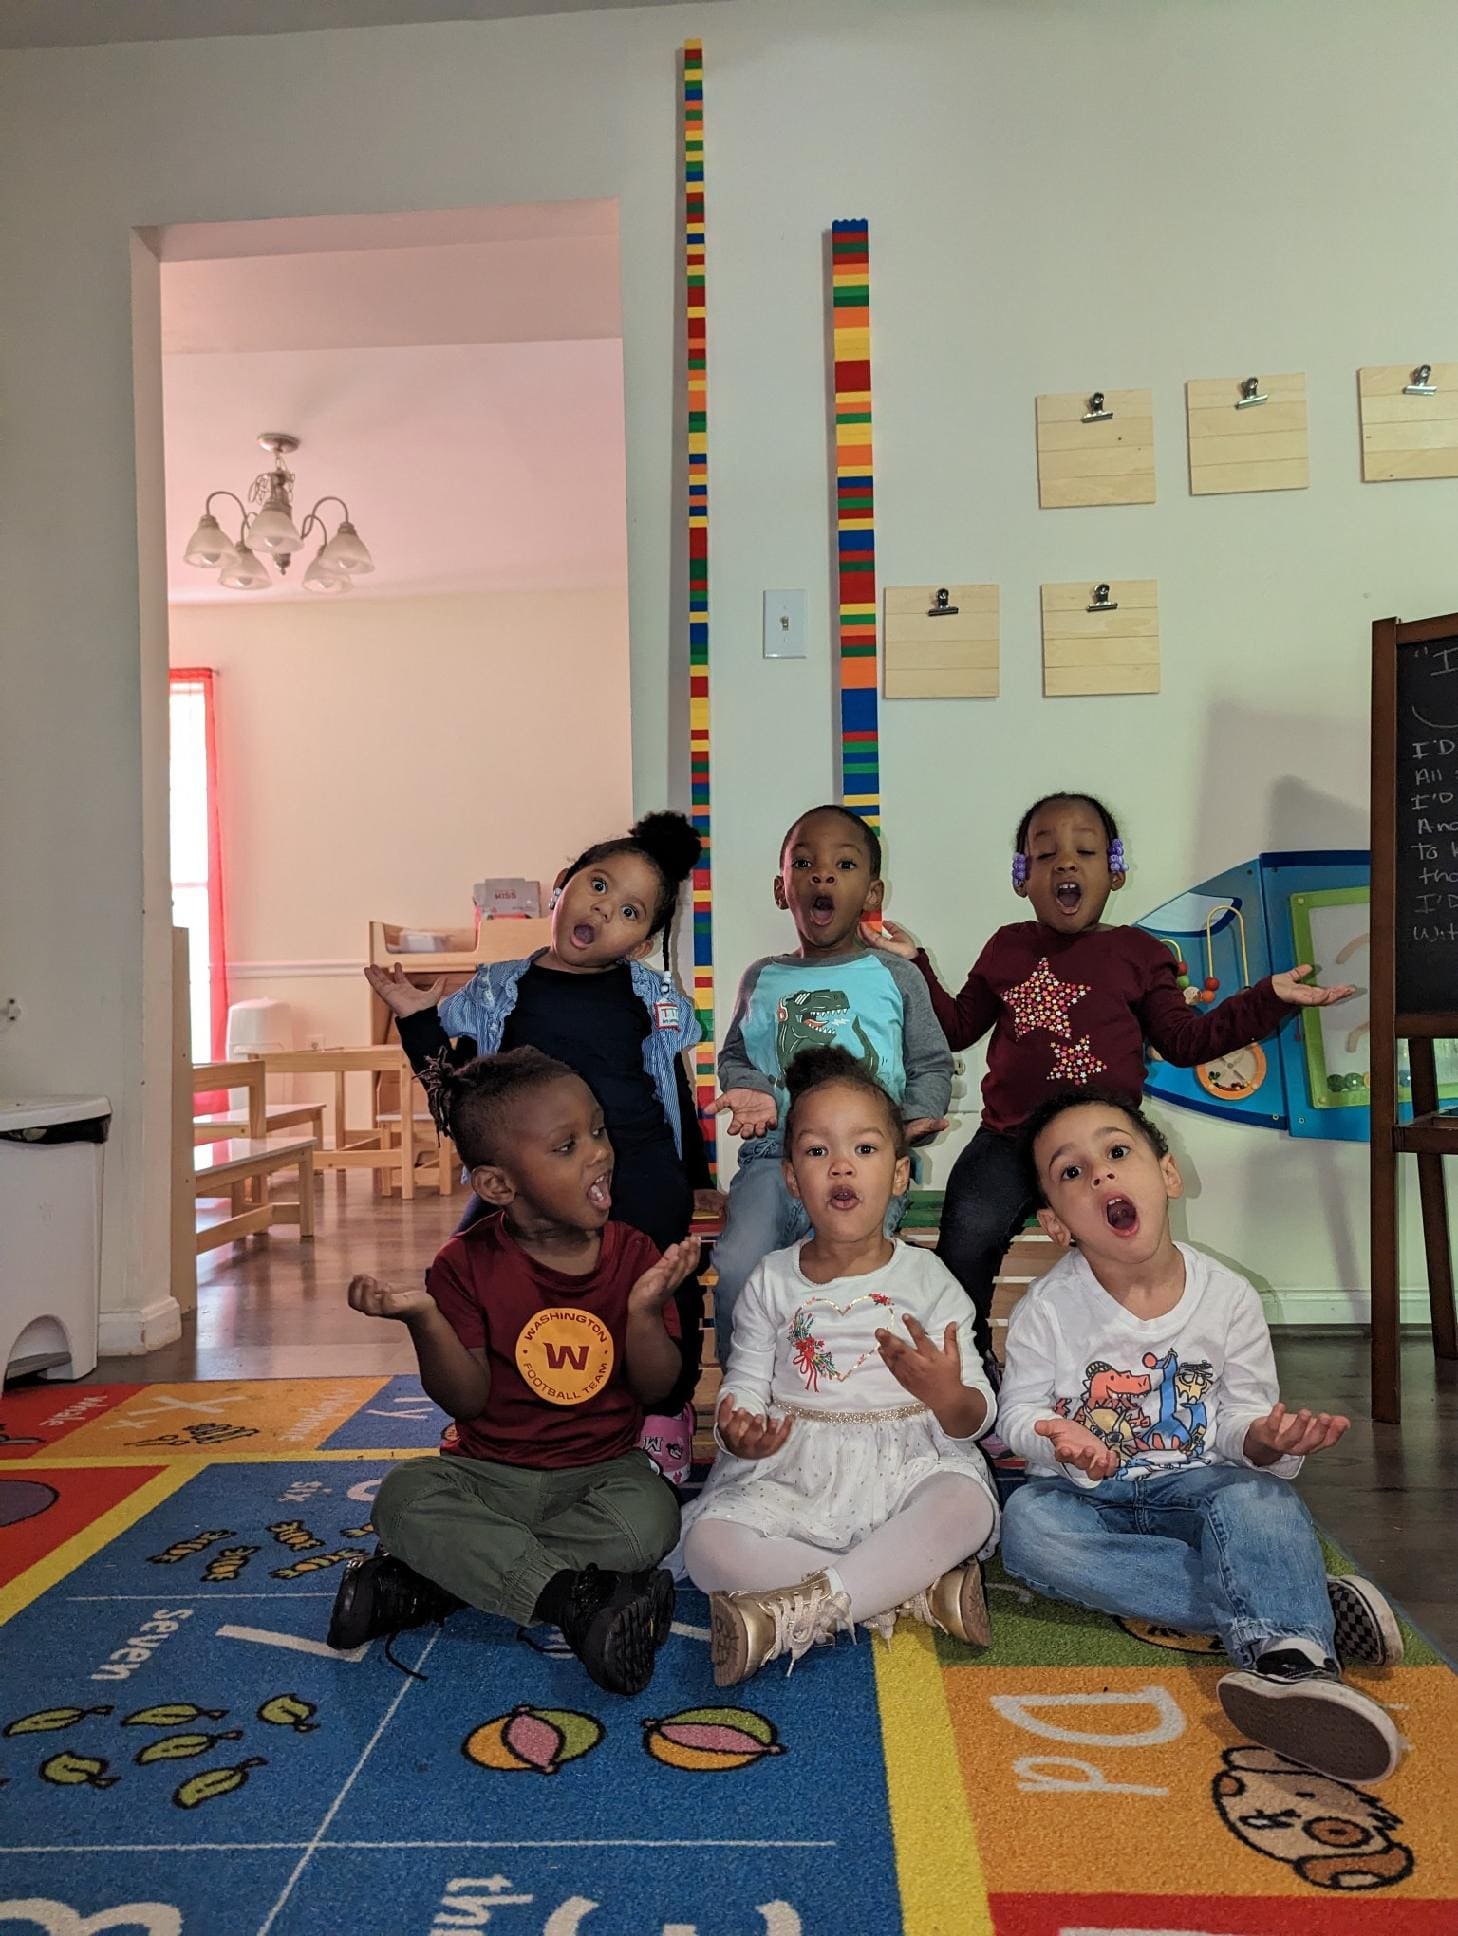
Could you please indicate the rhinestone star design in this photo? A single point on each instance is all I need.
(1075, 1064)
(1043, 1002)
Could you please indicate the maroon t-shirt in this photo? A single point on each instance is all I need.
(1070, 1010)
(555, 1345)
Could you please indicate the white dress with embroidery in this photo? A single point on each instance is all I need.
(859, 1444)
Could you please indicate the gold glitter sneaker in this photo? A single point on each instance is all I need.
(955, 1605)
(748, 1629)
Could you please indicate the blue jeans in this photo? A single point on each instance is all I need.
(1215, 1549)
(761, 1216)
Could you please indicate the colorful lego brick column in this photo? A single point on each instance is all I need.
(850, 297)
(696, 383)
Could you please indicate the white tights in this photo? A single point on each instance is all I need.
(946, 1519)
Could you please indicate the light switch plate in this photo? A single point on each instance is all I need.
(784, 625)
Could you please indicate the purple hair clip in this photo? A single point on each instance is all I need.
(1020, 870)
(1117, 863)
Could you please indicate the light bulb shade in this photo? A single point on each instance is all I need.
(244, 572)
(319, 577)
(347, 551)
(273, 533)
(209, 546)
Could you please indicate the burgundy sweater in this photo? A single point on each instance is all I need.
(1067, 1010)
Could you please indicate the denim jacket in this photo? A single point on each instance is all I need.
(481, 1008)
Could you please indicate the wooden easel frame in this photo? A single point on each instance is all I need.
(1428, 1136)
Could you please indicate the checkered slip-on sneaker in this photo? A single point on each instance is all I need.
(1367, 1633)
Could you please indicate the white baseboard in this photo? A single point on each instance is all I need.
(1337, 1307)
(127, 1334)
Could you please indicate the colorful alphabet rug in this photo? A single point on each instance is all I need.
(181, 1755)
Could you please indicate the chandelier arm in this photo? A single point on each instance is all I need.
(329, 498)
(242, 509)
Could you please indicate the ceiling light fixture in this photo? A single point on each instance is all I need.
(270, 534)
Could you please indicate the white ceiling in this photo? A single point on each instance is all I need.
(93, 23)
(464, 398)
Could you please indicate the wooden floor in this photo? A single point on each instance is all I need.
(273, 1308)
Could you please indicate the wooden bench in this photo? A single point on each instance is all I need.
(261, 1118)
(240, 1170)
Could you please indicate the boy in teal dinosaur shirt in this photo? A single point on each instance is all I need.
(833, 988)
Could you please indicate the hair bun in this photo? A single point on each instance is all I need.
(826, 1062)
(670, 843)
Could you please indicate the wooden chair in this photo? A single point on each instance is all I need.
(260, 1117)
(241, 1170)
(388, 1150)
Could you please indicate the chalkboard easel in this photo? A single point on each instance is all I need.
(1414, 963)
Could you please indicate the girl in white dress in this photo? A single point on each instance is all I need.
(849, 1487)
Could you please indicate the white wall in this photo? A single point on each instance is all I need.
(379, 755)
(1060, 195)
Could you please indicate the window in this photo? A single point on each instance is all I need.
(197, 877)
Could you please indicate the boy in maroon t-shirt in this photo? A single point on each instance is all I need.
(545, 1331)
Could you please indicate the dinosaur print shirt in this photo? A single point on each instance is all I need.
(1067, 1010)
(873, 1004)
(1182, 1389)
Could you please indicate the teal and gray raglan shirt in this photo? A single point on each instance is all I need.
(873, 1004)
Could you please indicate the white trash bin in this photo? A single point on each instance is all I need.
(50, 1233)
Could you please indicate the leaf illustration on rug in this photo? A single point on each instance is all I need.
(217, 1781)
(172, 1714)
(706, 1740)
(535, 1738)
(1330, 1834)
(51, 1718)
(78, 1771)
(288, 1711)
(182, 1747)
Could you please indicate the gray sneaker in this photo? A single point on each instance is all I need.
(1308, 1715)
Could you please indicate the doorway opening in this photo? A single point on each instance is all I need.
(415, 684)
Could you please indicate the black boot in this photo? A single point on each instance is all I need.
(613, 1622)
(381, 1595)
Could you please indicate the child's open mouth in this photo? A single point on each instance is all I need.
(1069, 896)
(600, 1191)
(822, 910)
(584, 934)
(1121, 1216)
(844, 1199)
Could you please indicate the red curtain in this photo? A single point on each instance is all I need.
(201, 680)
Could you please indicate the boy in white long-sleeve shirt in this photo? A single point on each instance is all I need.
(1141, 1389)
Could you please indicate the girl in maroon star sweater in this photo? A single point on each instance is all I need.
(1069, 1001)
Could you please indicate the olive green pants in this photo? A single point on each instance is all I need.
(495, 1534)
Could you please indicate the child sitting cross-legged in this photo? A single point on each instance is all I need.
(543, 1330)
(1141, 1389)
(850, 1488)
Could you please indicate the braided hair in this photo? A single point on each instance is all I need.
(470, 1104)
(670, 846)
